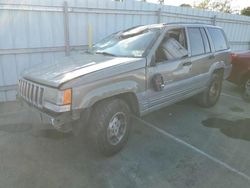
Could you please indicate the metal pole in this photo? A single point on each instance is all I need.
(90, 36)
(66, 28)
(214, 20)
(159, 15)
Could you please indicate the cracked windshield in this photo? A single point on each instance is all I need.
(125, 94)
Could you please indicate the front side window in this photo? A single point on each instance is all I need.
(173, 46)
(218, 38)
(130, 43)
(196, 41)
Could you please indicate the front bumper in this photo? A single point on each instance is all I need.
(60, 121)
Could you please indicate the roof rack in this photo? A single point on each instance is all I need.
(173, 23)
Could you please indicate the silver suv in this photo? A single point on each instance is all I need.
(135, 71)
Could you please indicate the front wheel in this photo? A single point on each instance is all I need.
(110, 126)
(246, 92)
(211, 95)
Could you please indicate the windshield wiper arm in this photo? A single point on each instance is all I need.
(87, 51)
(105, 53)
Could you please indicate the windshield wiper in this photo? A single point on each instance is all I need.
(105, 53)
(87, 52)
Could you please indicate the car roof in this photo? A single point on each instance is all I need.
(195, 24)
(182, 24)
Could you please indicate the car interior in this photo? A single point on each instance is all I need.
(173, 46)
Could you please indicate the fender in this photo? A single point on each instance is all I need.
(221, 65)
(216, 66)
(99, 93)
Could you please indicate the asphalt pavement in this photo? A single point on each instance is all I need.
(182, 145)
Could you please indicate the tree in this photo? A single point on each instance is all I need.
(185, 5)
(161, 1)
(203, 5)
(245, 11)
(216, 5)
(222, 6)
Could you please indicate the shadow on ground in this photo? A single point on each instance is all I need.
(239, 129)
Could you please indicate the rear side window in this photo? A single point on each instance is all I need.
(218, 39)
(196, 41)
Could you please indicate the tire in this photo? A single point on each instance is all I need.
(246, 89)
(211, 95)
(110, 126)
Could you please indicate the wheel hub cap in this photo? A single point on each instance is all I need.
(214, 90)
(116, 128)
(247, 88)
(248, 85)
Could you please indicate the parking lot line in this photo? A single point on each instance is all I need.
(231, 96)
(225, 165)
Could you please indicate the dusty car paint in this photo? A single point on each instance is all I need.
(94, 77)
(72, 67)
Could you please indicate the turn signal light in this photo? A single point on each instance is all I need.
(67, 96)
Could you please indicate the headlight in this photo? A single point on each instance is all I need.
(65, 97)
(58, 101)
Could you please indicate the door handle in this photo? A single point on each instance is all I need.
(211, 57)
(187, 63)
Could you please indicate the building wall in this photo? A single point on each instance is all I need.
(39, 31)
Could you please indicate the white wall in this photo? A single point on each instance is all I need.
(34, 32)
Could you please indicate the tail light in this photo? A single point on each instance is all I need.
(232, 56)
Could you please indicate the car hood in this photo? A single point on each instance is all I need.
(68, 68)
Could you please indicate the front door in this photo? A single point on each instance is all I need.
(173, 65)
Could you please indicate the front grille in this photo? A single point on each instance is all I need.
(31, 92)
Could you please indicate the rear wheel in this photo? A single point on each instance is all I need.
(211, 95)
(246, 92)
(110, 125)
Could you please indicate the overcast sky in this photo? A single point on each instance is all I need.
(236, 4)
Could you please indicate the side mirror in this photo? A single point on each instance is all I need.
(158, 82)
(153, 61)
(185, 56)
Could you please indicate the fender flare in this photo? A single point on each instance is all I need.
(108, 91)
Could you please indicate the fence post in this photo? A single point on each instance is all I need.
(66, 28)
(158, 15)
(214, 20)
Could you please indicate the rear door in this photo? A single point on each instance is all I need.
(221, 48)
(202, 56)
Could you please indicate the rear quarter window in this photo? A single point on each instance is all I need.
(218, 39)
